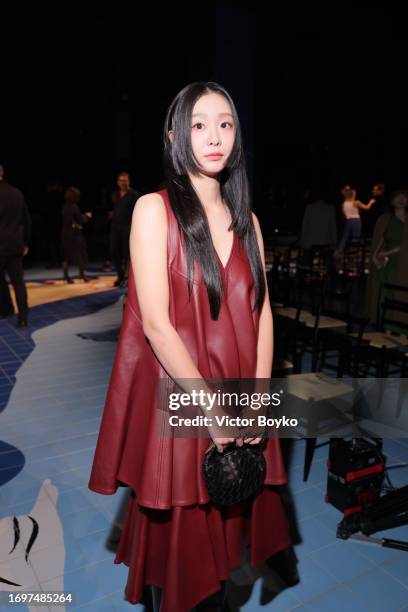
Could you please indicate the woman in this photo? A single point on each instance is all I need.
(73, 241)
(389, 256)
(198, 308)
(352, 226)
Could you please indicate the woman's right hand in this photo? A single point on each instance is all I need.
(221, 443)
(222, 436)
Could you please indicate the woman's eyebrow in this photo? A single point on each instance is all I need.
(205, 114)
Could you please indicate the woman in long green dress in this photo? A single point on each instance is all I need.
(389, 259)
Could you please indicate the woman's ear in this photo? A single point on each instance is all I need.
(170, 134)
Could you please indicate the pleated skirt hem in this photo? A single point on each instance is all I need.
(187, 551)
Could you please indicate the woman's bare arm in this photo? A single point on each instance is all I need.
(265, 336)
(264, 344)
(149, 265)
(359, 204)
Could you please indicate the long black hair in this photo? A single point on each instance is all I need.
(186, 204)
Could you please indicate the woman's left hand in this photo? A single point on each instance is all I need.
(241, 441)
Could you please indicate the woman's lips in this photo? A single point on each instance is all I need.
(214, 156)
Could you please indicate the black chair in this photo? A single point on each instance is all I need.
(340, 305)
(297, 324)
(322, 319)
(355, 261)
(376, 351)
(282, 269)
(394, 310)
(394, 313)
(399, 293)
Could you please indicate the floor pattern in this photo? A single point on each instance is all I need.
(48, 286)
(53, 379)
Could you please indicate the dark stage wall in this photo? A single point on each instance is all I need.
(85, 89)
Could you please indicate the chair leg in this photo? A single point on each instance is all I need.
(322, 359)
(315, 358)
(309, 452)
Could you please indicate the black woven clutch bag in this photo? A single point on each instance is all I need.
(235, 474)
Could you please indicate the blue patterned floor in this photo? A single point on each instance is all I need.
(53, 379)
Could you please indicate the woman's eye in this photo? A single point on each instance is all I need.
(226, 123)
(198, 125)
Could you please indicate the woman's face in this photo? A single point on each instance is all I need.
(400, 200)
(212, 133)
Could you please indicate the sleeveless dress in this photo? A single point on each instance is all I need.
(173, 536)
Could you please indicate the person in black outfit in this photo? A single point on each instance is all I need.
(73, 241)
(124, 201)
(379, 208)
(15, 230)
(6, 303)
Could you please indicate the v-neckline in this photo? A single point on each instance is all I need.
(224, 267)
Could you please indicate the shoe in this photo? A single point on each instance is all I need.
(156, 597)
(214, 602)
(22, 322)
(70, 281)
(86, 279)
(117, 282)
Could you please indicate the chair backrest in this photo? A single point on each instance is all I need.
(309, 292)
(356, 259)
(394, 308)
(394, 316)
(282, 270)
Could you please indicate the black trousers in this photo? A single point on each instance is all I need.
(119, 247)
(74, 250)
(13, 265)
(6, 304)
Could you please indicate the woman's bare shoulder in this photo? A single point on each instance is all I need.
(150, 208)
(150, 200)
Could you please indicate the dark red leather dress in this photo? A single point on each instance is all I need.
(173, 537)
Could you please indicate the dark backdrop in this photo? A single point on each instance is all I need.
(320, 92)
